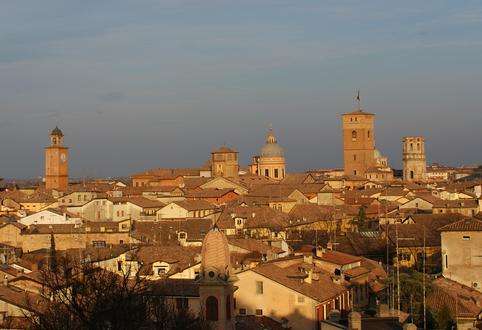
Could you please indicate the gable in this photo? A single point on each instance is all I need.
(223, 183)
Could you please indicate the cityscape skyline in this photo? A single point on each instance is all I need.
(220, 72)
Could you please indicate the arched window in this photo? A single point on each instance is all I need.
(411, 146)
(353, 135)
(228, 307)
(418, 146)
(411, 175)
(211, 308)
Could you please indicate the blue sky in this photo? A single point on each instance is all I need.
(141, 84)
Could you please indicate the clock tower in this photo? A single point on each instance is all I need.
(56, 162)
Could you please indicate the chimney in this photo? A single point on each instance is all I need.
(308, 259)
(309, 278)
(354, 321)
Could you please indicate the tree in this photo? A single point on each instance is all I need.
(411, 292)
(86, 297)
(444, 319)
(362, 217)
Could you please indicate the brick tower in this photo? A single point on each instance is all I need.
(224, 162)
(56, 162)
(414, 162)
(358, 141)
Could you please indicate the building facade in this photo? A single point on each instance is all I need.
(414, 162)
(461, 244)
(224, 162)
(358, 142)
(271, 161)
(56, 162)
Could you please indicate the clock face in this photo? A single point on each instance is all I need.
(63, 157)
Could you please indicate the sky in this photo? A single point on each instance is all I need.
(138, 84)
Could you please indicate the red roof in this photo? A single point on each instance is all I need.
(471, 224)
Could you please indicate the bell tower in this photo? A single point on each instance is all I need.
(215, 281)
(414, 163)
(358, 140)
(56, 162)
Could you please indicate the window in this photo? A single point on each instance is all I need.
(119, 265)
(259, 287)
(259, 312)
(182, 235)
(353, 135)
(300, 299)
(98, 244)
(266, 172)
(446, 261)
(161, 271)
(354, 157)
(411, 175)
(242, 311)
(411, 146)
(79, 197)
(275, 172)
(211, 308)
(354, 172)
(368, 134)
(466, 238)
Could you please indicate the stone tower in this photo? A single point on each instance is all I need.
(358, 141)
(56, 162)
(215, 281)
(271, 162)
(414, 162)
(224, 162)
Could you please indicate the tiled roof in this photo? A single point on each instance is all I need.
(180, 257)
(308, 213)
(224, 149)
(197, 204)
(338, 258)
(209, 193)
(256, 217)
(166, 231)
(320, 290)
(23, 299)
(470, 224)
(168, 173)
(460, 299)
(252, 245)
(139, 201)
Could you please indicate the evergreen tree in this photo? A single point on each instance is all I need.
(52, 254)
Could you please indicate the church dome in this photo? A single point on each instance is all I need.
(271, 148)
(215, 253)
(377, 154)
